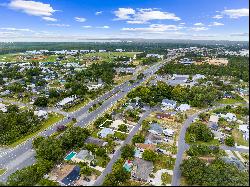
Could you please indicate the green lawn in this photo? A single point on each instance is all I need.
(77, 106)
(2, 171)
(166, 178)
(238, 138)
(102, 162)
(53, 118)
(212, 142)
(230, 101)
(132, 183)
(183, 182)
(164, 162)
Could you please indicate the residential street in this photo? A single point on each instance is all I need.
(117, 154)
(183, 146)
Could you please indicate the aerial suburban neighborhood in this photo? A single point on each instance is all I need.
(95, 122)
(143, 110)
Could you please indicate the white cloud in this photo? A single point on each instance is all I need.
(199, 28)
(155, 28)
(141, 16)
(240, 34)
(124, 13)
(79, 19)
(217, 16)
(236, 13)
(98, 13)
(15, 29)
(86, 26)
(182, 23)
(33, 8)
(216, 24)
(59, 25)
(103, 27)
(49, 19)
(199, 24)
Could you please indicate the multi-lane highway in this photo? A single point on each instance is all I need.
(23, 155)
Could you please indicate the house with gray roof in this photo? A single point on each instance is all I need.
(96, 141)
(83, 156)
(234, 161)
(155, 129)
(169, 104)
(142, 169)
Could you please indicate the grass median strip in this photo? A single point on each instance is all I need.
(53, 118)
(2, 171)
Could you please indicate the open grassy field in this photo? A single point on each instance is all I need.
(230, 101)
(17, 57)
(238, 138)
(111, 54)
(53, 118)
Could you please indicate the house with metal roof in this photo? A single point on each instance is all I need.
(155, 129)
(142, 169)
(96, 141)
(83, 156)
(105, 132)
(169, 104)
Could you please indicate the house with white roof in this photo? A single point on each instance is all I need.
(155, 56)
(105, 132)
(214, 119)
(186, 61)
(183, 107)
(67, 100)
(119, 50)
(3, 107)
(84, 51)
(168, 132)
(42, 114)
(168, 104)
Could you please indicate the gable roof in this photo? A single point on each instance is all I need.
(151, 147)
(96, 141)
(156, 127)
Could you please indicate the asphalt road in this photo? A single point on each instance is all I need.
(183, 146)
(23, 155)
(117, 154)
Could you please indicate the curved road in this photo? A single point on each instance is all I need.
(183, 146)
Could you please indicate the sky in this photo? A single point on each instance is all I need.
(78, 20)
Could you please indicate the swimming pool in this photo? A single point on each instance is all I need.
(70, 156)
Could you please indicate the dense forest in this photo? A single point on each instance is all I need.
(15, 124)
(218, 173)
